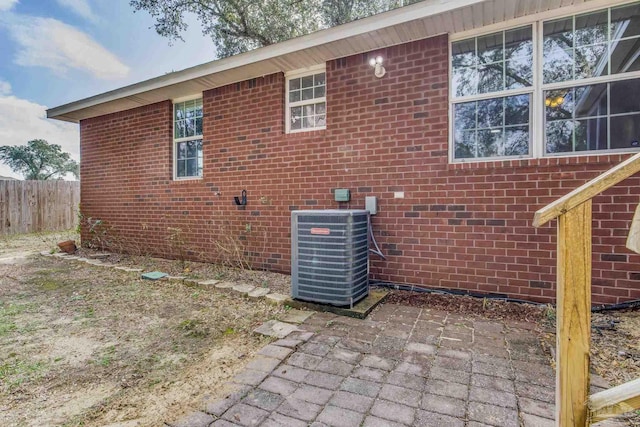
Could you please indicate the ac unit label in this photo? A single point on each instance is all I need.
(321, 231)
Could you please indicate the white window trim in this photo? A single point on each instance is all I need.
(175, 141)
(287, 105)
(536, 110)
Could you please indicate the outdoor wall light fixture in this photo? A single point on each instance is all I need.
(376, 63)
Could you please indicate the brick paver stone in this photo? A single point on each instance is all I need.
(287, 342)
(421, 348)
(309, 393)
(492, 370)
(536, 407)
(432, 419)
(443, 374)
(393, 411)
(370, 374)
(250, 377)
(529, 420)
(372, 421)
(263, 399)
(492, 415)
(494, 383)
(299, 409)
(532, 391)
(245, 415)
(291, 373)
(411, 381)
(279, 420)
(401, 395)
(377, 362)
(317, 349)
(262, 363)
(492, 397)
(305, 361)
(355, 402)
(336, 367)
(275, 351)
(279, 386)
(362, 387)
(323, 380)
(443, 388)
(443, 405)
(340, 417)
(345, 355)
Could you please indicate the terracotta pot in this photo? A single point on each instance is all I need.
(68, 246)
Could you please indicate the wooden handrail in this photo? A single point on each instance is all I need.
(614, 401)
(587, 191)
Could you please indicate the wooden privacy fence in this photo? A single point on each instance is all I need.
(33, 206)
(574, 406)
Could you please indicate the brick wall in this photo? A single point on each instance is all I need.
(462, 226)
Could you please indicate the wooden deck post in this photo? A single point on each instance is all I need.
(574, 316)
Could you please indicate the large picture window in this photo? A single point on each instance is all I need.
(492, 81)
(306, 100)
(583, 93)
(187, 137)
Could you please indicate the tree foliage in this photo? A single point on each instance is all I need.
(39, 160)
(240, 25)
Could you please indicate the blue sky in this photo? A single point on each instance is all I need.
(57, 51)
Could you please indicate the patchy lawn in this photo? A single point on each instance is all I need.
(85, 345)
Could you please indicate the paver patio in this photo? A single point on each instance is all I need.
(403, 366)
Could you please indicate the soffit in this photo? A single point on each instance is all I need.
(414, 22)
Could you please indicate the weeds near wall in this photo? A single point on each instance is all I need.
(230, 247)
(178, 241)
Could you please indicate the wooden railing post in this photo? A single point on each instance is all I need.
(574, 316)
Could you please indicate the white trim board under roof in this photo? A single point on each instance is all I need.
(414, 22)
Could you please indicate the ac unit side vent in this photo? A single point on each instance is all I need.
(330, 256)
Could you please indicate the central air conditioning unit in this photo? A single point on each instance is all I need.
(330, 256)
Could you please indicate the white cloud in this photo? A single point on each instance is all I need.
(79, 7)
(5, 88)
(22, 120)
(7, 4)
(49, 43)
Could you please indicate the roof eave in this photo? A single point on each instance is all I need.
(398, 16)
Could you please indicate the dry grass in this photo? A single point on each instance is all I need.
(86, 345)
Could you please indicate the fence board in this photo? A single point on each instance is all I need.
(37, 206)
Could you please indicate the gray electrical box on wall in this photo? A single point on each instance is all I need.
(371, 204)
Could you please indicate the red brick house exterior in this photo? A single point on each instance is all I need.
(460, 226)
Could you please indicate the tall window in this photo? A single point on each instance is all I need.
(590, 102)
(583, 93)
(187, 137)
(306, 100)
(492, 82)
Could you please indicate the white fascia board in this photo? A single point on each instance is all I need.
(393, 17)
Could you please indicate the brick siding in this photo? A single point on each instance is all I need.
(460, 226)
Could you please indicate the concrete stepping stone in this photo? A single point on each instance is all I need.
(258, 293)
(211, 282)
(277, 299)
(297, 316)
(274, 328)
(243, 289)
(224, 286)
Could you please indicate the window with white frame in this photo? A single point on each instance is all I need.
(585, 93)
(187, 138)
(492, 83)
(306, 107)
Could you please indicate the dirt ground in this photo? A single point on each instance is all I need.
(85, 345)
